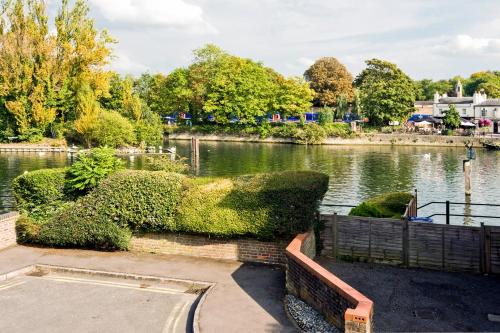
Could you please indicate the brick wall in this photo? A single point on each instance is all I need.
(248, 250)
(342, 306)
(8, 230)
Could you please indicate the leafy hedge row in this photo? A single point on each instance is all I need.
(389, 205)
(264, 206)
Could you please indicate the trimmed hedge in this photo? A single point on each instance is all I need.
(389, 205)
(264, 206)
(138, 200)
(41, 188)
(62, 230)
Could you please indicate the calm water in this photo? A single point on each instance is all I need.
(356, 173)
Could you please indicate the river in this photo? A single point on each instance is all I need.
(356, 172)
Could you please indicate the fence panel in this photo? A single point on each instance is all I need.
(494, 255)
(420, 245)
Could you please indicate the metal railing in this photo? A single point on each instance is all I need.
(448, 213)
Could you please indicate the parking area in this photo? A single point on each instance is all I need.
(45, 300)
(418, 300)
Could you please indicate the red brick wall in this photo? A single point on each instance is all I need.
(342, 305)
(248, 250)
(8, 229)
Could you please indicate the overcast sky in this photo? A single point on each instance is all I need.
(426, 38)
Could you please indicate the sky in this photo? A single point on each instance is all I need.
(434, 39)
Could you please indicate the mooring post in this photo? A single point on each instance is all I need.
(195, 154)
(467, 175)
(447, 212)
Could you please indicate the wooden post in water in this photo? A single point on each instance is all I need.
(467, 175)
(195, 154)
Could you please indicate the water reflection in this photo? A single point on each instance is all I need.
(356, 173)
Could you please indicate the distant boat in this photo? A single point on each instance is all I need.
(491, 145)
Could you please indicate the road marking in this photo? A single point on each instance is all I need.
(110, 284)
(12, 284)
(179, 316)
(170, 318)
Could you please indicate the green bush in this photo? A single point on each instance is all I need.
(40, 190)
(74, 226)
(149, 132)
(389, 205)
(264, 206)
(91, 168)
(164, 163)
(139, 200)
(311, 134)
(325, 116)
(113, 130)
(341, 130)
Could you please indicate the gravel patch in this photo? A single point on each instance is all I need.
(308, 319)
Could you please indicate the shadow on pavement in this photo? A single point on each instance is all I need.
(265, 284)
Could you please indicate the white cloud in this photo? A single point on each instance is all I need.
(123, 64)
(164, 13)
(465, 44)
(306, 62)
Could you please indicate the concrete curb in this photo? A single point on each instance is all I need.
(196, 317)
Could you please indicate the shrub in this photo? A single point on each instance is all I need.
(311, 134)
(341, 130)
(264, 206)
(91, 168)
(389, 205)
(139, 200)
(74, 227)
(113, 130)
(39, 190)
(149, 132)
(164, 163)
(325, 116)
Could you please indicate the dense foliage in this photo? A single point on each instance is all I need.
(386, 92)
(389, 205)
(331, 80)
(90, 168)
(265, 206)
(488, 82)
(43, 74)
(40, 190)
(451, 119)
(166, 163)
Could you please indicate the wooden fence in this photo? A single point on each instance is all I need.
(412, 244)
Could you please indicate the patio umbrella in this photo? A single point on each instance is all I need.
(467, 123)
(423, 123)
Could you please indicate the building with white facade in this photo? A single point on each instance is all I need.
(472, 108)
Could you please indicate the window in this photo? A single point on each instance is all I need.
(483, 113)
(464, 112)
(440, 111)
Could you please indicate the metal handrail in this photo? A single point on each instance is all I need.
(457, 203)
(333, 205)
(462, 215)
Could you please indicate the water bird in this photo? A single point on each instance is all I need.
(427, 156)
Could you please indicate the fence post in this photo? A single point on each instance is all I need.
(406, 243)
(335, 237)
(447, 212)
(416, 202)
(482, 249)
(487, 249)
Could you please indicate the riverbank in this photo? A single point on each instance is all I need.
(46, 146)
(363, 139)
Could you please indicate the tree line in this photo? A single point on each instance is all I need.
(56, 84)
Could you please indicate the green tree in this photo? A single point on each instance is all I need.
(451, 118)
(489, 82)
(291, 97)
(228, 87)
(178, 94)
(113, 130)
(43, 75)
(330, 79)
(386, 92)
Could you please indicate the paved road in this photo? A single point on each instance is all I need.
(246, 297)
(417, 300)
(71, 303)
